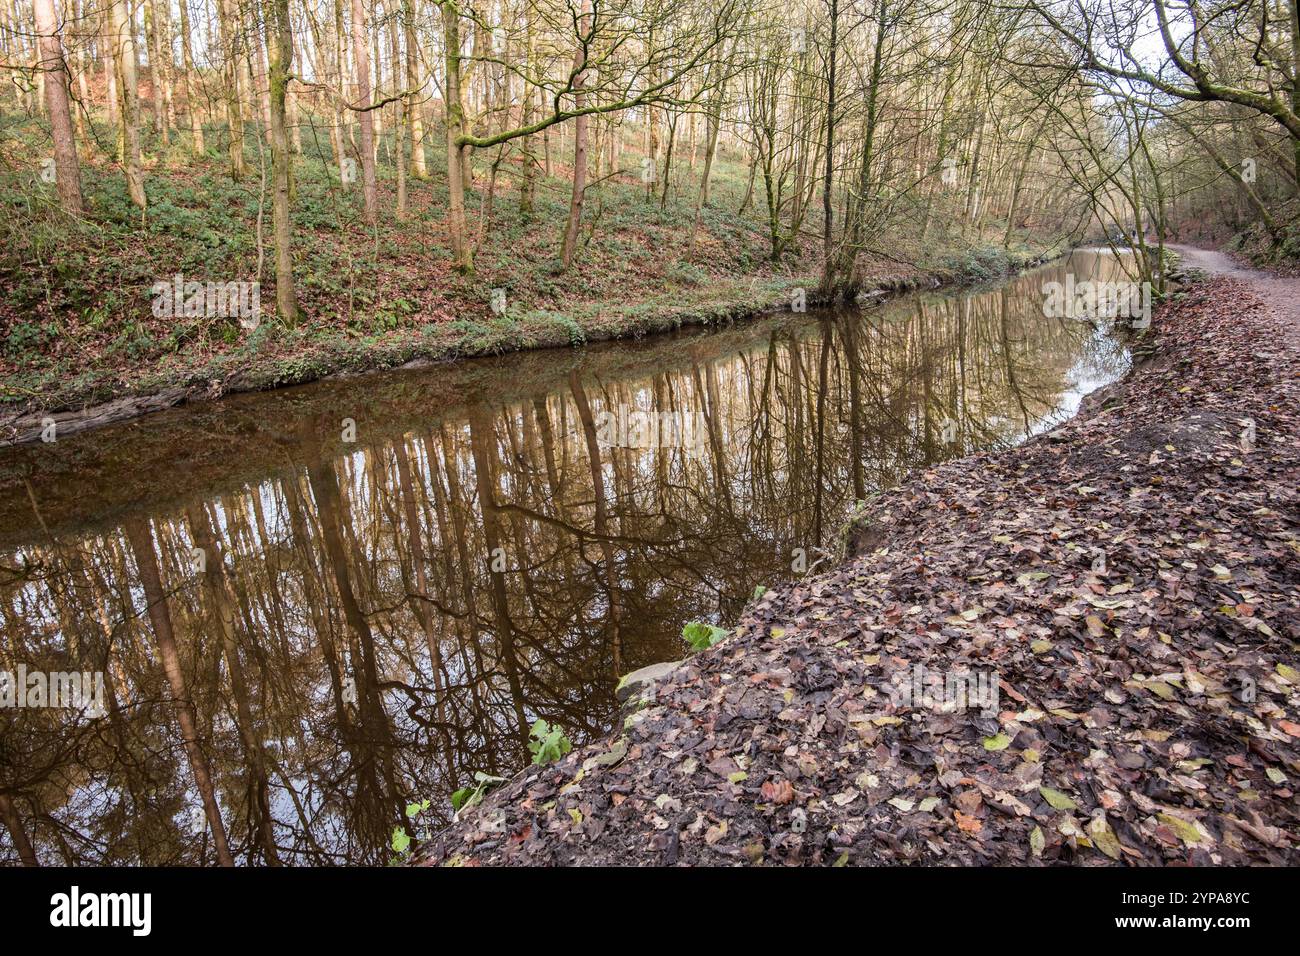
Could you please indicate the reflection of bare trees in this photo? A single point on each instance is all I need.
(17, 831)
(142, 547)
(351, 644)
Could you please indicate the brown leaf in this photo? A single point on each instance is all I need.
(779, 792)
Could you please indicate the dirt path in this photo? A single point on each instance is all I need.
(1127, 589)
(1281, 295)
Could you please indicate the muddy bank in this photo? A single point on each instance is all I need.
(734, 302)
(1081, 651)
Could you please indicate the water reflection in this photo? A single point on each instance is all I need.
(299, 634)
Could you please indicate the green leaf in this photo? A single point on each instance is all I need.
(1037, 841)
(1103, 837)
(701, 636)
(1058, 800)
(548, 744)
(1186, 832)
(1029, 577)
(401, 841)
(997, 742)
(1159, 688)
(469, 796)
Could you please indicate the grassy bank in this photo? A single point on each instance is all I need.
(76, 302)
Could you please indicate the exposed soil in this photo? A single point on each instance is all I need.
(1132, 581)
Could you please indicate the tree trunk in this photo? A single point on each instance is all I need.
(66, 168)
(828, 258)
(154, 46)
(230, 35)
(415, 123)
(128, 101)
(462, 256)
(279, 41)
(191, 84)
(399, 107)
(361, 64)
(109, 46)
(570, 245)
(528, 181)
(1293, 9)
(81, 107)
(262, 84)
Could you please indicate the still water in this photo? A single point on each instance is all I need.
(298, 611)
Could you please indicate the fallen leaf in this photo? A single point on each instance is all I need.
(1057, 799)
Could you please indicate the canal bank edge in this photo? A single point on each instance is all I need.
(1145, 703)
(742, 298)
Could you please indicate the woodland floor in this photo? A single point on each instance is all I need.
(1148, 706)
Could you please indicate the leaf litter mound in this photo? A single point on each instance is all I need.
(1131, 580)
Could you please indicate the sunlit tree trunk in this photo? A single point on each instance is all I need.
(414, 83)
(191, 79)
(361, 74)
(232, 43)
(571, 230)
(528, 178)
(66, 168)
(154, 45)
(81, 108)
(128, 101)
(280, 59)
(401, 116)
(461, 254)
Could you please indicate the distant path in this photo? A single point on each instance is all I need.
(1281, 295)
